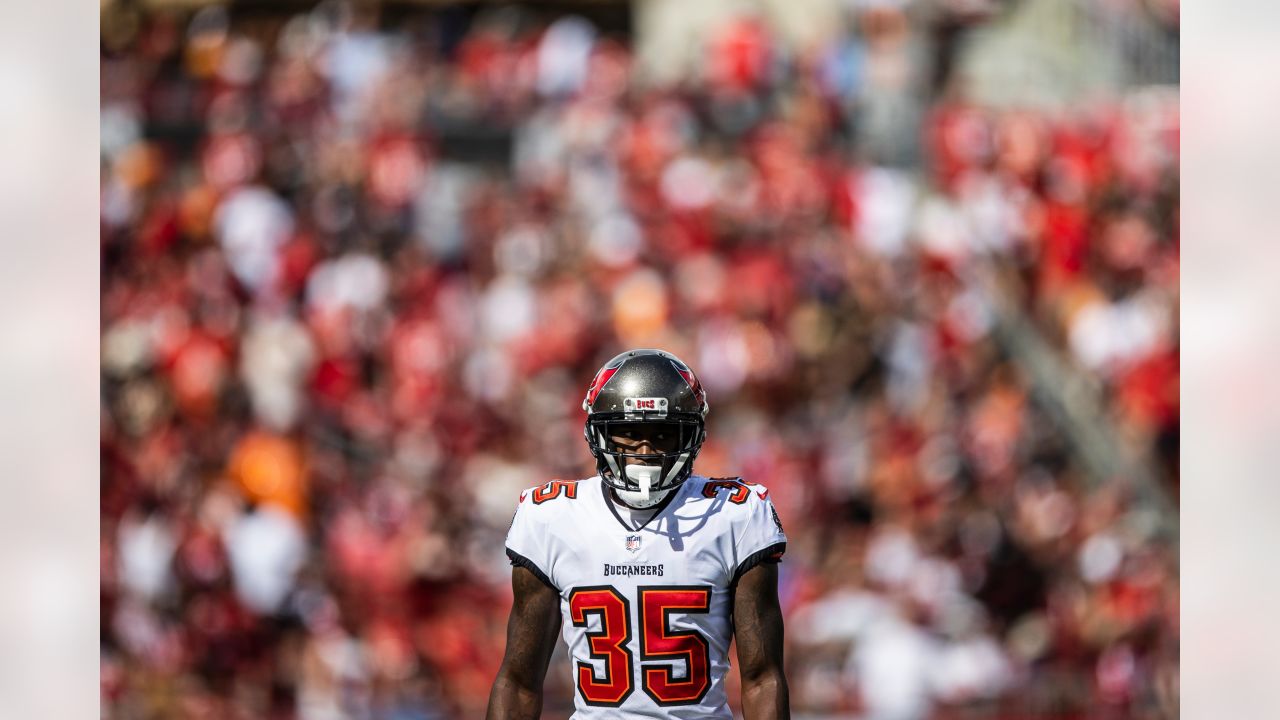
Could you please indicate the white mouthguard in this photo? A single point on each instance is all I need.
(646, 476)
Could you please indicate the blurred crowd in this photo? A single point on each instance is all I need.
(357, 272)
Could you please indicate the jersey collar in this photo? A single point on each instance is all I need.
(657, 509)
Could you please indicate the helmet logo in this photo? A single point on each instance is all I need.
(597, 385)
(699, 395)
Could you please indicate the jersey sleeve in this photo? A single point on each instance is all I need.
(760, 537)
(528, 543)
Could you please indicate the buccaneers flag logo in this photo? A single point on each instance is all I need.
(699, 395)
(598, 383)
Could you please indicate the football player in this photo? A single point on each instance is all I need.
(649, 569)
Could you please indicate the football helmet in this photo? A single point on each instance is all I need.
(650, 395)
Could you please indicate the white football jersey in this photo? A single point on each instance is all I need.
(646, 612)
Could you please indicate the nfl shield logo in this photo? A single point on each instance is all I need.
(633, 543)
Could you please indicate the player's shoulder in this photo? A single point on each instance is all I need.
(734, 494)
(552, 497)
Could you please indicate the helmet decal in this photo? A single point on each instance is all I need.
(598, 384)
(695, 385)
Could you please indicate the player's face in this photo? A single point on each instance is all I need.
(645, 439)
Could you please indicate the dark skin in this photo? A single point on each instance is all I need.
(757, 625)
(531, 638)
(535, 622)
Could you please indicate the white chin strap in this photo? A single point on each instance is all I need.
(645, 476)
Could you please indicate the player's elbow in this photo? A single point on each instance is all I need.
(514, 697)
(764, 677)
(514, 680)
(765, 695)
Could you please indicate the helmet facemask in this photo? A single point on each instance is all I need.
(673, 443)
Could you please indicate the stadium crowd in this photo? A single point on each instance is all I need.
(356, 276)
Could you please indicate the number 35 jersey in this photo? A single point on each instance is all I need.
(646, 612)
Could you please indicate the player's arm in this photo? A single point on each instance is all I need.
(757, 625)
(531, 638)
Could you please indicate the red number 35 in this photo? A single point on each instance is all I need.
(659, 644)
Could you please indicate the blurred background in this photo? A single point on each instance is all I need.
(360, 261)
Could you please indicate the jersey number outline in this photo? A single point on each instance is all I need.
(740, 490)
(609, 643)
(658, 643)
(554, 489)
